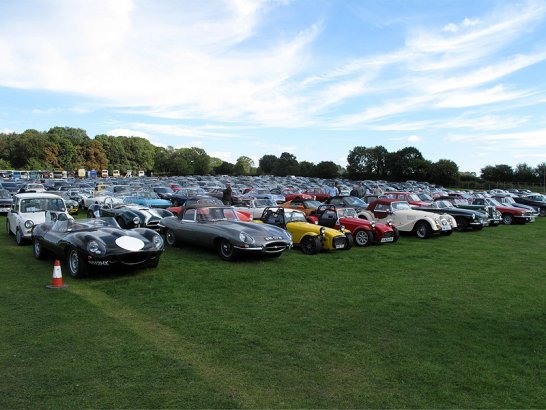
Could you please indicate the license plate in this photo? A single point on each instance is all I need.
(446, 228)
(340, 246)
(387, 240)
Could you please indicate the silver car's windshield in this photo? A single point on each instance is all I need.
(42, 204)
(216, 214)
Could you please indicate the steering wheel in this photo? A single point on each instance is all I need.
(108, 202)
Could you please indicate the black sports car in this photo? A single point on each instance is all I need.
(130, 216)
(97, 242)
(465, 218)
(535, 200)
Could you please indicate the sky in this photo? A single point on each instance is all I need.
(457, 79)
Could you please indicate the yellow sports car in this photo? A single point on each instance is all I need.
(309, 237)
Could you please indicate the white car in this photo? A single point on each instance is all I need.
(99, 199)
(31, 209)
(255, 207)
(406, 219)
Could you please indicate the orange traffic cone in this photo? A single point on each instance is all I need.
(57, 278)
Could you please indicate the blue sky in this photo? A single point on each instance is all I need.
(457, 79)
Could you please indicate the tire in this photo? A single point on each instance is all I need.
(121, 223)
(507, 219)
(363, 238)
(396, 234)
(90, 214)
(154, 264)
(170, 237)
(38, 250)
(226, 251)
(77, 267)
(423, 230)
(462, 224)
(19, 237)
(350, 242)
(542, 211)
(310, 245)
(8, 231)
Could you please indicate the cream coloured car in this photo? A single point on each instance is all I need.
(406, 219)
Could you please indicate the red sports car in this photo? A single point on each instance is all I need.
(364, 232)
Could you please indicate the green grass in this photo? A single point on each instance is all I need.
(449, 322)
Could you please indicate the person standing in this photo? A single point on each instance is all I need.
(227, 195)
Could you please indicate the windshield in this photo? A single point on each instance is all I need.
(42, 204)
(295, 216)
(5, 194)
(424, 197)
(400, 206)
(347, 213)
(354, 201)
(413, 197)
(216, 214)
(259, 203)
(443, 204)
(494, 202)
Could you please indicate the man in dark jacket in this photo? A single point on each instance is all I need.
(226, 196)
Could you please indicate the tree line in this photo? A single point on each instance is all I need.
(71, 148)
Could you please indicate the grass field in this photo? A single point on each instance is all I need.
(455, 321)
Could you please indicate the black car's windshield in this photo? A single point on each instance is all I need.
(216, 214)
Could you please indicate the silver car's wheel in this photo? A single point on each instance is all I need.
(19, 237)
(423, 230)
(363, 237)
(170, 237)
(507, 219)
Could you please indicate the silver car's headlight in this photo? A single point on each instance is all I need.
(95, 248)
(157, 241)
(29, 224)
(246, 238)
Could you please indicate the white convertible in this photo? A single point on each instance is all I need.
(32, 209)
(255, 207)
(406, 219)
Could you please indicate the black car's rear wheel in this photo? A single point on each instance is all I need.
(226, 250)
(363, 237)
(310, 245)
(90, 214)
(39, 251)
(77, 266)
(170, 237)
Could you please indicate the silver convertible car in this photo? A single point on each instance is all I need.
(218, 227)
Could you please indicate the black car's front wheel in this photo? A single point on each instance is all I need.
(39, 252)
(226, 251)
(77, 266)
(170, 237)
(462, 224)
(90, 214)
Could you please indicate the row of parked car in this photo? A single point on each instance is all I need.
(120, 231)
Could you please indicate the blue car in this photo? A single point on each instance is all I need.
(149, 199)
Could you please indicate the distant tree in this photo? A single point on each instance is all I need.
(286, 165)
(367, 163)
(307, 169)
(497, 173)
(405, 164)
(327, 170)
(244, 166)
(96, 156)
(4, 164)
(524, 173)
(444, 172)
(225, 168)
(267, 164)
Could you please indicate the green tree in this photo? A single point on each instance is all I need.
(326, 170)
(244, 166)
(307, 169)
(444, 172)
(286, 165)
(367, 163)
(267, 164)
(524, 173)
(497, 173)
(225, 168)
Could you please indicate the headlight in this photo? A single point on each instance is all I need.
(246, 238)
(136, 221)
(157, 241)
(342, 228)
(95, 248)
(473, 216)
(29, 224)
(373, 224)
(389, 222)
(322, 231)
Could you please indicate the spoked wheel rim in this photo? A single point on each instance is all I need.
(361, 238)
(170, 238)
(18, 237)
(507, 219)
(421, 231)
(74, 262)
(37, 247)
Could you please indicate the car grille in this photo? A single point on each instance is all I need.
(389, 234)
(134, 258)
(275, 247)
(340, 241)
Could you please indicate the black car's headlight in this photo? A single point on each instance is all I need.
(246, 238)
(136, 221)
(158, 242)
(29, 224)
(96, 248)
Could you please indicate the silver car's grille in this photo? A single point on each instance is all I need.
(275, 247)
